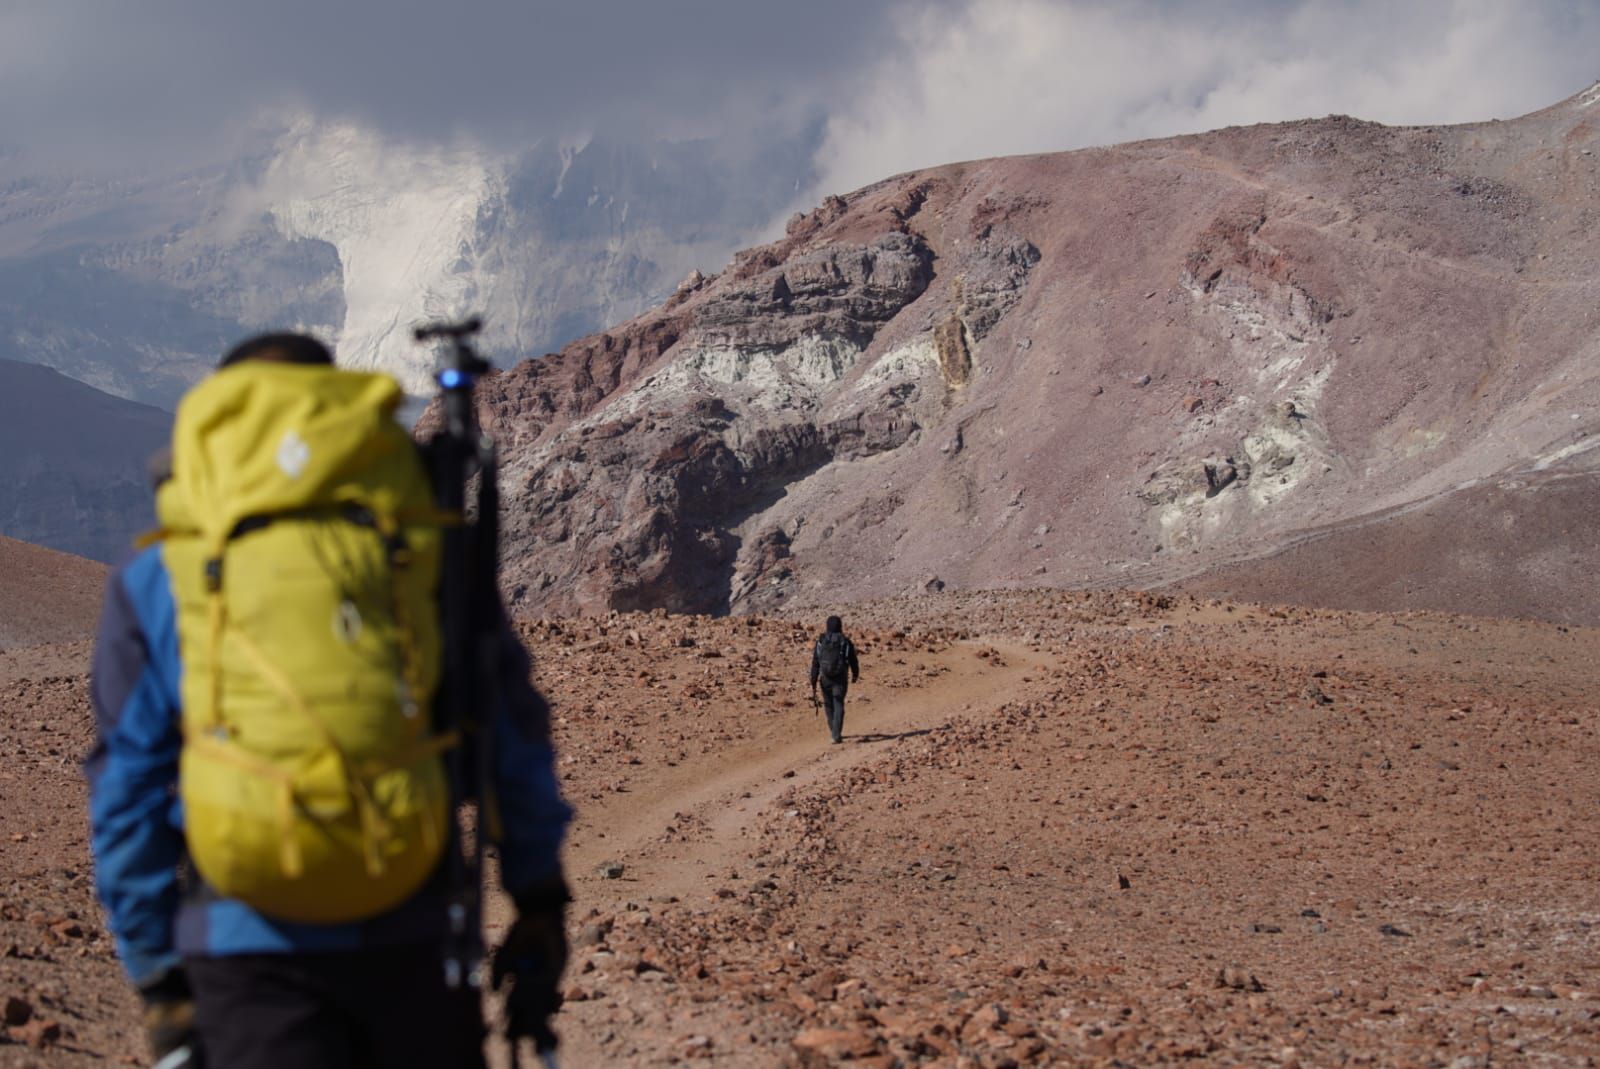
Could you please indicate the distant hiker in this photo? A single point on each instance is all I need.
(834, 666)
(268, 807)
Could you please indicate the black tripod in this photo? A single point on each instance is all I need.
(458, 452)
(461, 452)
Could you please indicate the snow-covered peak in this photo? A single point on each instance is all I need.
(568, 150)
(403, 219)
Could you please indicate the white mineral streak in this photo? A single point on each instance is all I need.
(910, 361)
(819, 362)
(1575, 449)
(1193, 520)
(402, 219)
(1196, 519)
(773, 379)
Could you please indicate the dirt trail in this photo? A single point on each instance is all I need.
(719, 796)
(680, 830)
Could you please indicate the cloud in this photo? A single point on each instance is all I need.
(162, 85)
(1003, 77)
(105, 84)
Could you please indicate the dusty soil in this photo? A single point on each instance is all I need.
(45, 596)
(1511, 547)
(1097, 829)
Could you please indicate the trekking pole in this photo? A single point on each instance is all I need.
(467, 581)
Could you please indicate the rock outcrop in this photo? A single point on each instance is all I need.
(1137, 365)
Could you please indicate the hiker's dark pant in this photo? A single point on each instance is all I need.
(383, 1008)
(833, 704)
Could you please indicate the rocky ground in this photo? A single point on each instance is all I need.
(1099, 829)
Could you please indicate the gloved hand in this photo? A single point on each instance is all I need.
(532, 958)
(169, 1017)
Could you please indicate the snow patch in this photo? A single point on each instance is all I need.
(402, 219)
(1590, 96)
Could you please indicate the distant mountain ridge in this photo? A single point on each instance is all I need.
(136, 286)
(1146, 364)
(74, 463)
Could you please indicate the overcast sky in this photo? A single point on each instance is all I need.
(103, 85)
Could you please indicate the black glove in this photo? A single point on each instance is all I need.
(169, 1016)
(532, 958)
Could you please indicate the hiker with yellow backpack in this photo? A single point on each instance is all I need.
(272, 806)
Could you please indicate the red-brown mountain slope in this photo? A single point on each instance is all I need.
(1156, 362)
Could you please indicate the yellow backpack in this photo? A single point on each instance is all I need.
(303, 543)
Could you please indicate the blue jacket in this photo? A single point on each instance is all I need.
(136, 819)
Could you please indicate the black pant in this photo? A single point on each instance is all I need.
(833, 704)
(385, 1008)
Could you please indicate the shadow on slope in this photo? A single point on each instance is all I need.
(1517, 547)
(74, 462)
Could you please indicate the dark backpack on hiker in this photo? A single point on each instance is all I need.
(833, 657)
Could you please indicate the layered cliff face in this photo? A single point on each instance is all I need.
(1129, 365)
